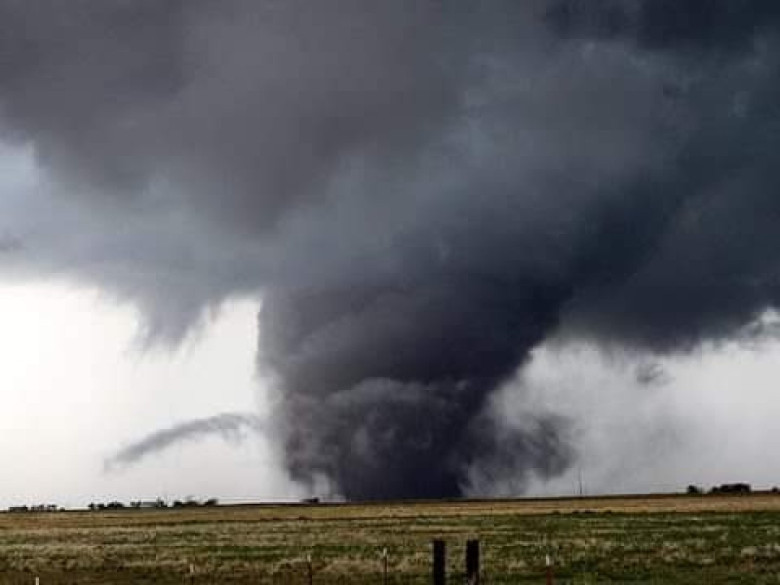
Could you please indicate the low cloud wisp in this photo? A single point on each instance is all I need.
(229, 426)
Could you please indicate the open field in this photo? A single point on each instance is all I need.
(662, 539)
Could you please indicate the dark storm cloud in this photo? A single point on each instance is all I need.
(712, 25)
(422, 192)
(227, 426)
(120, 94)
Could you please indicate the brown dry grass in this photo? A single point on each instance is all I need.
(671, 538)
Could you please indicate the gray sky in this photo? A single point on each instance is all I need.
(421, 200)
(77, 389)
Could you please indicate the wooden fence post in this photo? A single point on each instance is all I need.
(549, 565)
(472, 562)
(384, 566)
(439, 563)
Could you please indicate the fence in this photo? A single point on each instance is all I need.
(472, 575)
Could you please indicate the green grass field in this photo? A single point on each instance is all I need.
(710, 539)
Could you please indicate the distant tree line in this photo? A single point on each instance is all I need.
(724, 488)
(36, 508)
(152, 504)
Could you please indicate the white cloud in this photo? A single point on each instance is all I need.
(75, 388)
(710, 418)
